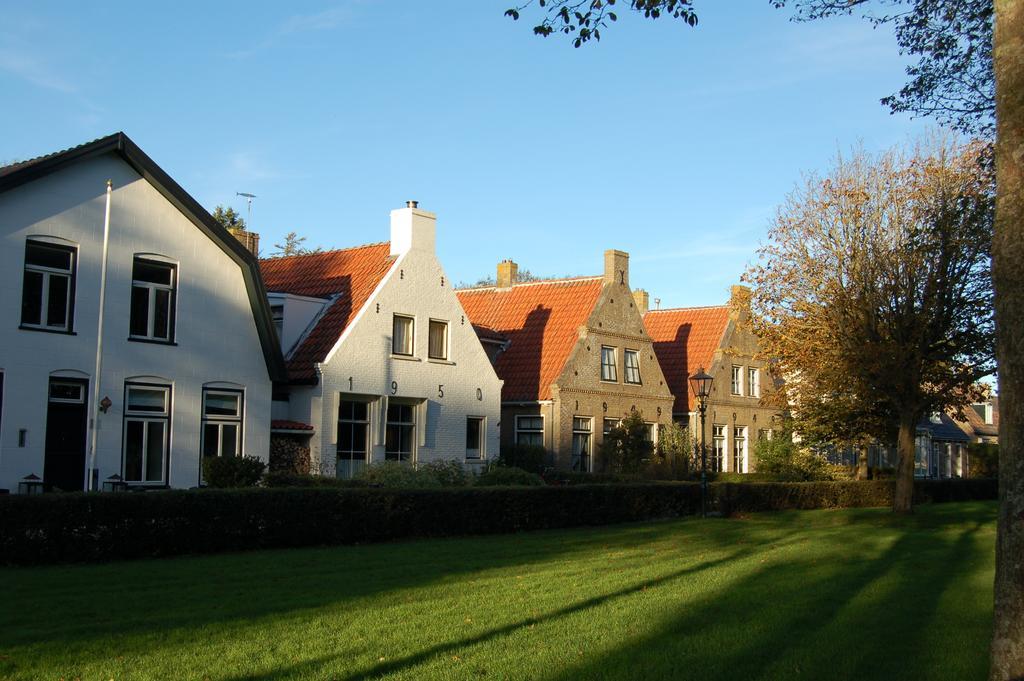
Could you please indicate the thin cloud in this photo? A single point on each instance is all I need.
(26, 66)
(326, 20)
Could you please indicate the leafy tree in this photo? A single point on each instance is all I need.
(783, 459)
(875, 285)
(293, 246)
(228, 218)
(627, 448)
(523, 275)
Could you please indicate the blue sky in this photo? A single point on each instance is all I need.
(672, 143)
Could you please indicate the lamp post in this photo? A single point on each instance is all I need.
(700, 383)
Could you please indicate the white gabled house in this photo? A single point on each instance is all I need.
(187, 353)
(383, 363)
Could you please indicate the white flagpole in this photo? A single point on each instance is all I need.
(99, 342)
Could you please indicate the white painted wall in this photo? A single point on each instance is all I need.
(363, 354)
(299, 314)
(215, 331)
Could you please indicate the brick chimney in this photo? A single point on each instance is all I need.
(616, 267)
(412, 229)
(642, 299)
(251, 240)
(508, 273)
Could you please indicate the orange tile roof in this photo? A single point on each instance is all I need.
(685, 339)
(541, 320)
(350, 274)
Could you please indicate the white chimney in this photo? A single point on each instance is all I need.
(412, 229)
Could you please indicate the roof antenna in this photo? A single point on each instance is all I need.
(248, 198)
(657, 303)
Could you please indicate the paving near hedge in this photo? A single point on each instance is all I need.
(837, 594)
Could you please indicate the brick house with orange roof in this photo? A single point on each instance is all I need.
(718, 340)
(383, 363)
(574, 357)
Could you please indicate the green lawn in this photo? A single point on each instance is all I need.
(853, 594)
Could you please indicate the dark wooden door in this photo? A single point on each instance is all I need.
(64, 467)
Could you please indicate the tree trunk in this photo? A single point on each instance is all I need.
(862, 462)
(903, 498)
(1008, 279)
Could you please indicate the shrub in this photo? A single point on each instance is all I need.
(100, 527)
(232, 471)
(280, 479)
(781, 458)
(627, 448)
(448, 473)
(288, 455)
(673, 458)
(983, 460)
(531, 458)
(398, 475)
(508, 476)
(553, 477)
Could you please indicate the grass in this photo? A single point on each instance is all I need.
(852, 594)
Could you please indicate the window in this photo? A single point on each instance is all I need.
(402, 334)
(48, 287)
(277, 316)
(764, 434)
(400, 432)
(753, 382)
(737, 380)
(632, 359)
(147, 418)
(581, 442)
(222, 423)
(717, 448)
(608, 425)
(530, 431)
(474, 437)
(608, 364)
(353, 437)
(152, 305)
(437, 345)
(739, 449)
(72, 392)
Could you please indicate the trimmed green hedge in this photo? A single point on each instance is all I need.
(98, 527)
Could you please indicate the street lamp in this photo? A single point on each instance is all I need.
(700, 383)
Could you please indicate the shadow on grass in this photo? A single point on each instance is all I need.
(871, 620)
(410, 661)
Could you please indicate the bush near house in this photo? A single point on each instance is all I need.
(983, 460)
(288, 455)
(232, 471)
(531, 458)
(508, 475)
(99, 527)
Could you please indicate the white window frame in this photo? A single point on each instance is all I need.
(586, 458)
(412, 335)
(367, 437)
(739, 449)
(396, 455)
(146, 418)
(151, 289)
(520, 429)
(44, 298)
(480, 453)
(736, 385)
(719, 454)
(277, 317)
(221, 420)
(613, 367)
(753, 382)
(635, 354)
(446, 344)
